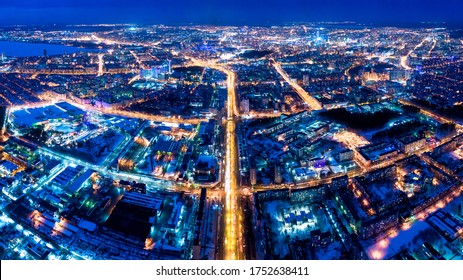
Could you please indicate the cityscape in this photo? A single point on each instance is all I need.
(301, 141)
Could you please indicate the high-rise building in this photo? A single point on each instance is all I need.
(305, 80)
(277, 171)
(3, 121)
(245, 106)
(253, 176)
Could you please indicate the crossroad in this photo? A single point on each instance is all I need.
(310, 101)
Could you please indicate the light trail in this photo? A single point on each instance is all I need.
(135, 78)
(311, 102)
(403, 62)
(232, 246)
(122, 43)
(403, 59)
(350, 140)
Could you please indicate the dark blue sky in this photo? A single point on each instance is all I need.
(227, 11)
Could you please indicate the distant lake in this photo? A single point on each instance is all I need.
(21, 49)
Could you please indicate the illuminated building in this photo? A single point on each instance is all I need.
(277, 174)
(305, 80)
(400, 75)
(253, 176)
(3, 121)
(245, 106)
(345, 155)
(375, 153)
(8, 168)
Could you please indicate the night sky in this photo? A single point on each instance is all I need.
(235, 12)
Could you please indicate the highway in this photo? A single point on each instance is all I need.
(100, 64)
(232, 242)
(233, 214)
(232, 106)
(148, 180)
(311, 102)
(233, 220)
(433, 115)
(124, 146)
(115, 112)
(137, 58)
(404, 59)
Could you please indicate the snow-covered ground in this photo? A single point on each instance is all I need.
(394, 243)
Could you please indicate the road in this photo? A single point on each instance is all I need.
(137, 58)
(404, 59)
(311, 102)
(233, 216)
(115, 112)
(433, 115)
